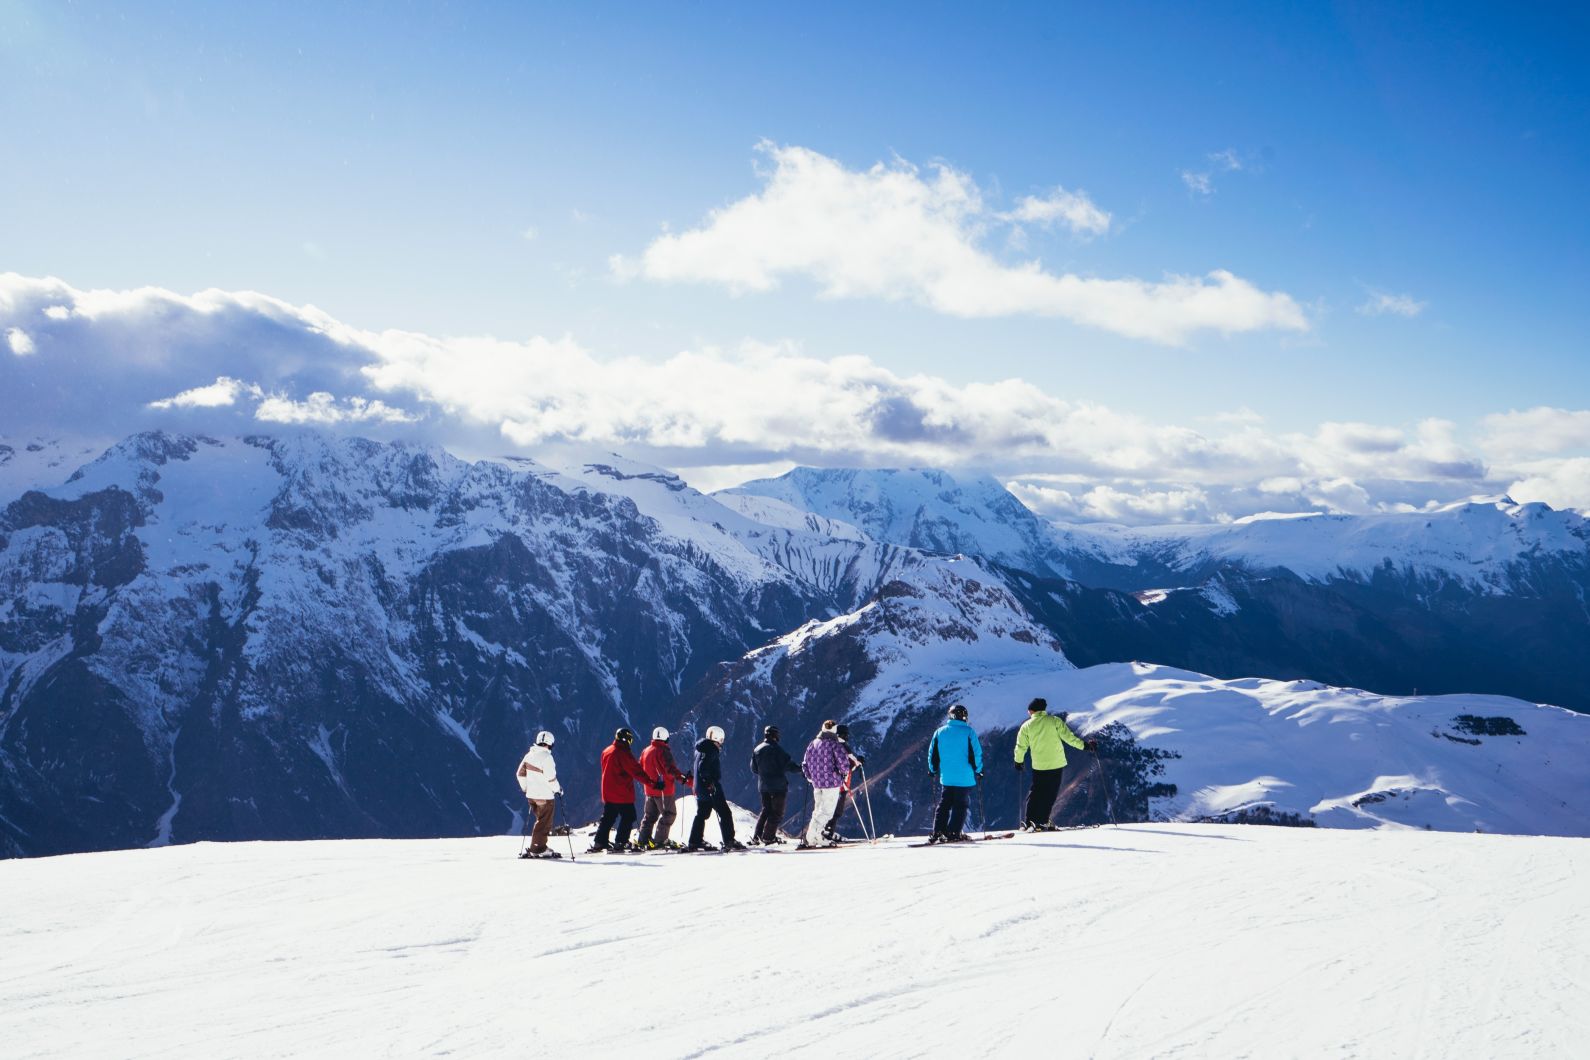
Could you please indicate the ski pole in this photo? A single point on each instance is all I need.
(1104, 780)
(982, 813)
(866, 793)
(568, 833)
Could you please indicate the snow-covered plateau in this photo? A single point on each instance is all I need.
(1143, 940)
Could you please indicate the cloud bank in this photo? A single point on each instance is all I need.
(899, 233)
(103, 363)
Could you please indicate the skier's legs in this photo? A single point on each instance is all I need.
(823, 800)
(542, 808)
(959, 802)
(699, 826)
(648, 820)
(720, 803)
(1040, 802)
(665, 822)
(839, 811)
(605, 825)
(626, 821)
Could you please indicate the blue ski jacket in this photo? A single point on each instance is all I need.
(955, 755)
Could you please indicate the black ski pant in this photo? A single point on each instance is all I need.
(621, 812)
(839, 811)
(953, 804)
(658, 818)
(1040, 800)
(772, 816)
(705, 805)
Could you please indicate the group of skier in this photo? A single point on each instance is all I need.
(955, 758)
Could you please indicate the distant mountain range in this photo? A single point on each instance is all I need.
(299, 635)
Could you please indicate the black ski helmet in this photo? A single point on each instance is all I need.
(624, 735)
(843, 731)
(771, 733)
(958, 712)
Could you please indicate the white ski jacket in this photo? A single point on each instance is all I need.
(538, 776)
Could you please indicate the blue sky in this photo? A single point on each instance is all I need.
(386, 163)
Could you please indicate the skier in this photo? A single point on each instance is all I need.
(620, 771)
(538, 779)
(825, 764)
(831, 829)
(772, 766)
(657, 761)
(709, 794)
(1045, 736)
(955, 757)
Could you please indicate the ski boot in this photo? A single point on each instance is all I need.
(702, 847)
(598, 848)
(734, 844)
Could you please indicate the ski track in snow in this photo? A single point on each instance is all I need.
(1152, 940)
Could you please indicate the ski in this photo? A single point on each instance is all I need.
(974, 839)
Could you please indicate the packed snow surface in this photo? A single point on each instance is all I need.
(1147, 940)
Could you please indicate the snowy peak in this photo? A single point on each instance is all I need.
(925, 509)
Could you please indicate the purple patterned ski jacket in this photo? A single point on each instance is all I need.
(827, 763)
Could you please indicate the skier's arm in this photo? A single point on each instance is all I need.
(933, 755)
(1070, 737)
(1022, 743)
(977, 755)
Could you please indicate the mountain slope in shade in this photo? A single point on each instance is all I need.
(301, 636)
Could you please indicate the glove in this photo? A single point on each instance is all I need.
(1090, 746)
(861, 760)
(1019, 767)
(557, 789)
(979, 776)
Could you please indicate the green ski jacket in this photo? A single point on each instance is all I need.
(1046, 736)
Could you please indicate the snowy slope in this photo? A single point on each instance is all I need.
(1341, 757)
(1154, 940)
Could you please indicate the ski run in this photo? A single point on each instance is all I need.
(1142, 940)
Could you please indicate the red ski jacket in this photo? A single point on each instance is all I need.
(620, 771)
(661, 769)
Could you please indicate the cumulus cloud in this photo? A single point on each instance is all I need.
(1383, 303)
(897, 232)
(220, 361)
(20, 342)
(1071, 208)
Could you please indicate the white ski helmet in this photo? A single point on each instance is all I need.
(715, 734)
(659, 733)
(544, 738)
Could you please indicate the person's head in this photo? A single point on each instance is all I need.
(958, 712)
(830, 728)
(544, 738)
(716, 734)
(771, 734)
(659, 733)
(1038, 706)
(843, 731)
(625, 736)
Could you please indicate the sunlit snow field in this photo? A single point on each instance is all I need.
(1163, 940)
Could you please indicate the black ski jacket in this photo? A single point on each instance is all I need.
(772, 766)
(709, 768)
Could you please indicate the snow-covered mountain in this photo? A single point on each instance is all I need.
(1484, 596)
(299, 636)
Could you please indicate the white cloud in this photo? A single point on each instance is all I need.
(321, 408)
(1382, 303)
(223, 392)
(1559, 483)
(529, 234)
(1536, 431)
(20, 342)
(220, 361)
(895, 232)
(1071, 208)
(1201, 181)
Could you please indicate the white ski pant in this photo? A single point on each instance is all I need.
(824, 802)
